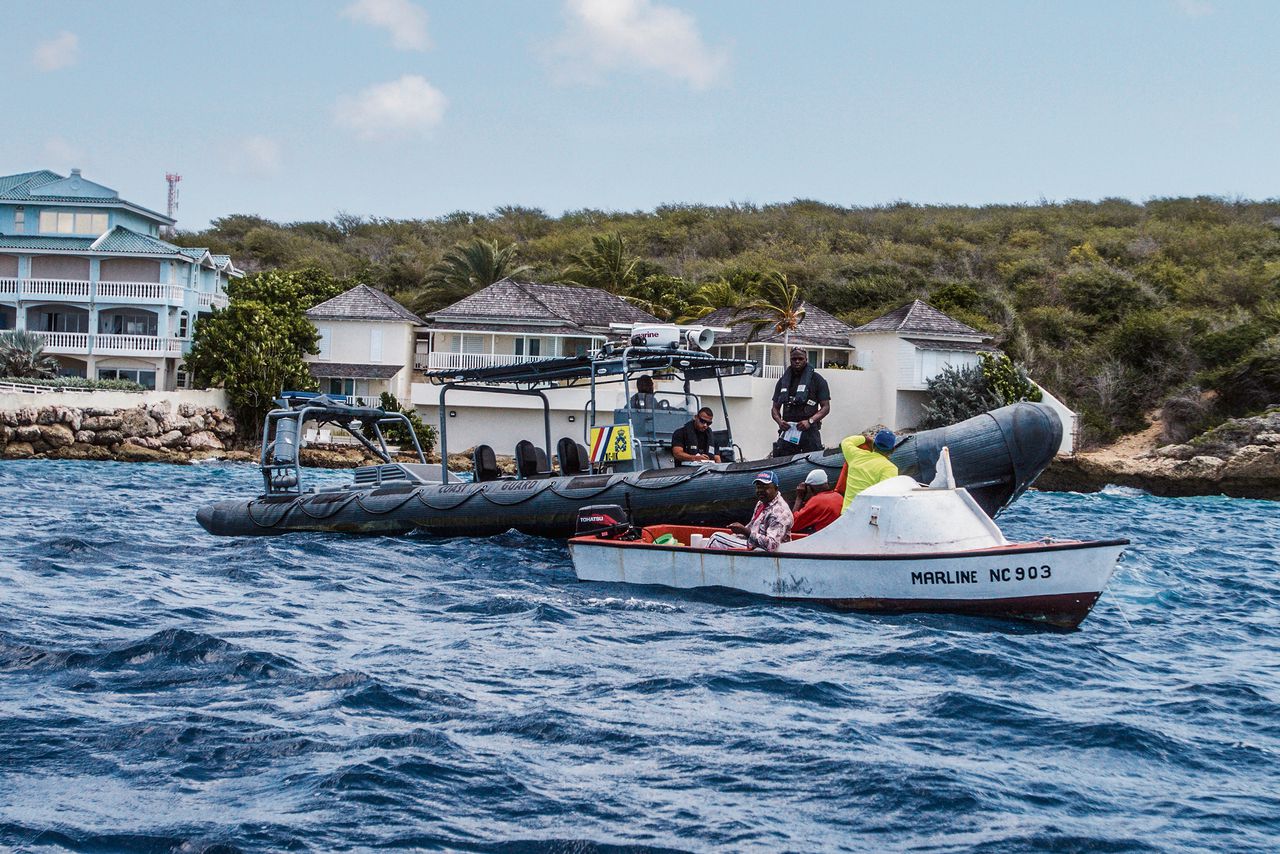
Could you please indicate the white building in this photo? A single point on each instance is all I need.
(367, 343)
(87, 271)
(877, 372)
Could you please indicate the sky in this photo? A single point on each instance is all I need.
(301, 109)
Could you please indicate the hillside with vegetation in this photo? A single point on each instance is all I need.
(1115, 306)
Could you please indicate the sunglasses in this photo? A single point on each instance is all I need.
(704, 422)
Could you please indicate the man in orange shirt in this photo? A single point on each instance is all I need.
(817, 506)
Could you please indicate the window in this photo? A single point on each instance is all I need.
(375, 345)
(181, 378)
(535, 346)
(59, 321)
(19, 220)
(6, 317)
(326, 334)
(184, 322)
(472, 343)
(519, 346)
(146, 379)
(120, 323)
(342, 387)
(68, 222)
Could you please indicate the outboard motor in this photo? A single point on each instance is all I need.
(605, 521)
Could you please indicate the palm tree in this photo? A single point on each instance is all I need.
(22, 356)
(731, 291)
(778, 305)
(465, 269)
(606, 265)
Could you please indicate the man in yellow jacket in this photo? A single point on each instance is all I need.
(866, 463)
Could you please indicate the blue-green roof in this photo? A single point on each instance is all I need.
(120, 239)
(192, 252)
(70, 244)
(45, 187)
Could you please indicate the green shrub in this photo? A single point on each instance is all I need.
(76, 383)
(959, 393)
(396, 433)
(1251, 384)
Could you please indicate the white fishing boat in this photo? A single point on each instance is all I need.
(898, 547)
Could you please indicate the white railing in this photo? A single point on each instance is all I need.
(207, 301)
(438, 361)
(74, 341)
(8, 286)
(23, 388)
(136, 344)
(56, 288)
(772, 372)
(150, 291)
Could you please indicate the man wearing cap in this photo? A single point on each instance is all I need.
(770, 524)
(817, 505)
(866, 463)
(801, 398)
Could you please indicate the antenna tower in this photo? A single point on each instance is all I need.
(172, 178)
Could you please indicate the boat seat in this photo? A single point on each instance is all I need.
(486, 464)
(531, 461)
(723, 444)
(573, 457)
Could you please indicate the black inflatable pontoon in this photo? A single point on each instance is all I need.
(996, 456)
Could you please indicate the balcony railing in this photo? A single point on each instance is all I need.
(210, 301)
(79, 290)
(65, 342)
(141, 291)
(65, 288)
(439, 361)
(79, 343)
(103, 343)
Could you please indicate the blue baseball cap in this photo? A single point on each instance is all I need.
(767, 477)
(885, 440)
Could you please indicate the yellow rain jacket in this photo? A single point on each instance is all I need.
(863, 467)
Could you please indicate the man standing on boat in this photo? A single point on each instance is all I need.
(866, 463)
(770, 524)
(801, 399)
(817, 504)
(692, 442)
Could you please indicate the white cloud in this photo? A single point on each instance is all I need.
(409, 105)
(405, 21)
(60, 51)
(60, 154)
(254, 157)
(1195, 8)
(620, 34)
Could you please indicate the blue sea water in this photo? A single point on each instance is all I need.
(164, 690)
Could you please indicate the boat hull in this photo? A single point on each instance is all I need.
(996, 456)
(1054, 584)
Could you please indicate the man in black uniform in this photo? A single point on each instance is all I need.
(802, 398)
(692, 442)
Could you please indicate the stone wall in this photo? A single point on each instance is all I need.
(160, 431)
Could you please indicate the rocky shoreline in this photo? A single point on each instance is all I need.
(1239, 459)
(156, 431)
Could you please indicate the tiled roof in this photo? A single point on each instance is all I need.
(68, 244)
(362, 303)
(952, 346)
(580, 309)
(921, 318)
(344, 371)
(121, 239)
(44, 187)
(817, 329)
(193, 252)
(8, 183)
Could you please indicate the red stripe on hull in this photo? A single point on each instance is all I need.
(1060, 610)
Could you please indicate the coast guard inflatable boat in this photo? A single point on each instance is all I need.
(996, 456)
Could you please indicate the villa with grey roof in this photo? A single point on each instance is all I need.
(88, 272)
(512, 321)
(367, 344)
(824, 336)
